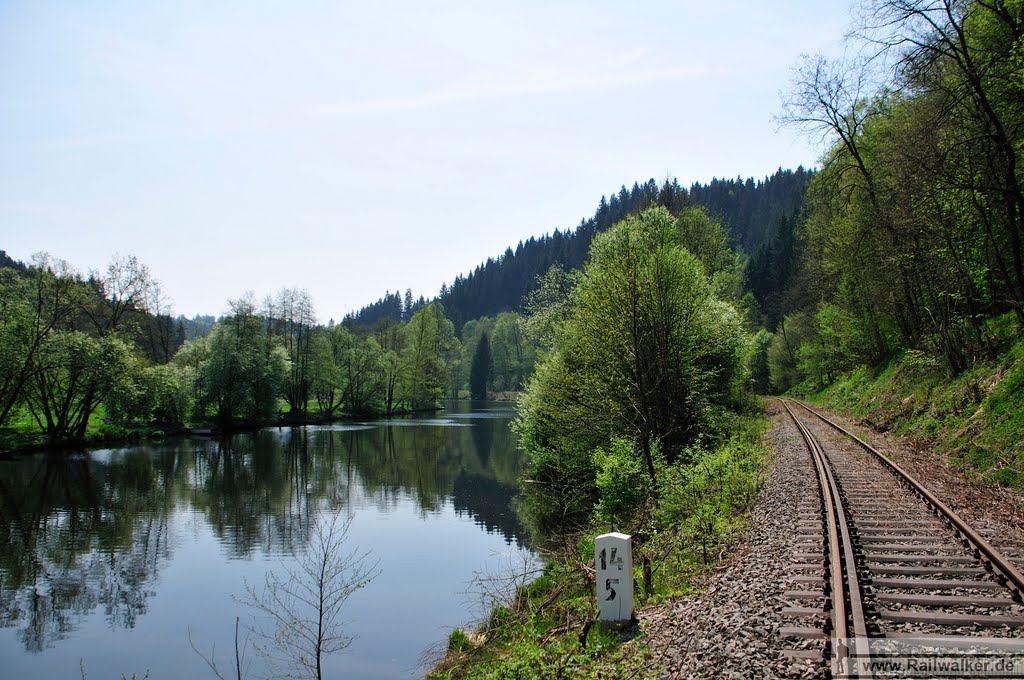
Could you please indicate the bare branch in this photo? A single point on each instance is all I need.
(300, 605)
(211, 660)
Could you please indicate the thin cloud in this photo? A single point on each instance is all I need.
(537, 86)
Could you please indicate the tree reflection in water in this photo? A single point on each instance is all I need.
(90, 532)
(77, 535)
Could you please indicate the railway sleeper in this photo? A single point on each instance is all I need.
(885, 548)
(934, 584)
(878, 558)
(804, 632)
(950, 619)
(803, 612)
(804, 594)
(884, 537)
(945, 600)
(925, 571)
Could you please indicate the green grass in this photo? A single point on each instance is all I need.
(547, 629)
(23, 432)
(975, 419)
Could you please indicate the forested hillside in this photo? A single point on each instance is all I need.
(7, 261)
(915, 225)
(908, 306)
(759, 215)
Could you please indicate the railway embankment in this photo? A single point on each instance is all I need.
(768, 611)
(972, 422)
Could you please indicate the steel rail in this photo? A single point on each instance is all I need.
(841, 558)
(1001, 564)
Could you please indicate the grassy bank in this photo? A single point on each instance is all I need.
(542, 622)
(24, 435)
(976, 419)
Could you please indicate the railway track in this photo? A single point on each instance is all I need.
(888, 581)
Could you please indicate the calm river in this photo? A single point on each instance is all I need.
(109, 559)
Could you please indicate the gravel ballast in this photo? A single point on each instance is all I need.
(731, 630)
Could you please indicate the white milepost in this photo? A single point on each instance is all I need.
(613, 558)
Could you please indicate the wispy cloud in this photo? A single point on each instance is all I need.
(539, 85)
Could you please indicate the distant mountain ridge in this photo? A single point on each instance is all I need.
(755, 213)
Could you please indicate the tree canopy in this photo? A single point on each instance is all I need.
(648, 352)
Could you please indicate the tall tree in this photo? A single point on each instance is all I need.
(648, 353)
(325, 371)
(968, 51)
(125, 286)
(246, 369)
(293, 317)
(430, 339)
(480, 369)
(46, 299)
(74, 373)
(391, 339)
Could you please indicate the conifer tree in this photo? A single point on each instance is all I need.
(480, 369)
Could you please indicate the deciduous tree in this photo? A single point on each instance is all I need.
(648, 353)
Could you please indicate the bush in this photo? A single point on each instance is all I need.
(700, 500)
(623, 485)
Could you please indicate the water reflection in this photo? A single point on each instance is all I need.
(78, 535)
(90, 534)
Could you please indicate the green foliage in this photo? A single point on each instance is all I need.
(74, 374)
(760, 368)
(16, 353)
(32, 306)
(458, 641)
(158, 395)
(786, 350)
(623, 485)
(512, 354)
(245, 370)
(706, 238)
(699, 501)
(513, 351)
(546, 627)
(292, 318)
(548, 305)
(975, 418)
(647, 352)
(328, 350)
(169, 395)
(558, 489)
(431, 345)
(914, 234)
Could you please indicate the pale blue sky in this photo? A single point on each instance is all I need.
(354, 148)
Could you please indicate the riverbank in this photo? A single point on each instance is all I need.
(26, 439)
(544, 624)
(181, 527)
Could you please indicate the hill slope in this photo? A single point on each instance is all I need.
(758, 214)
